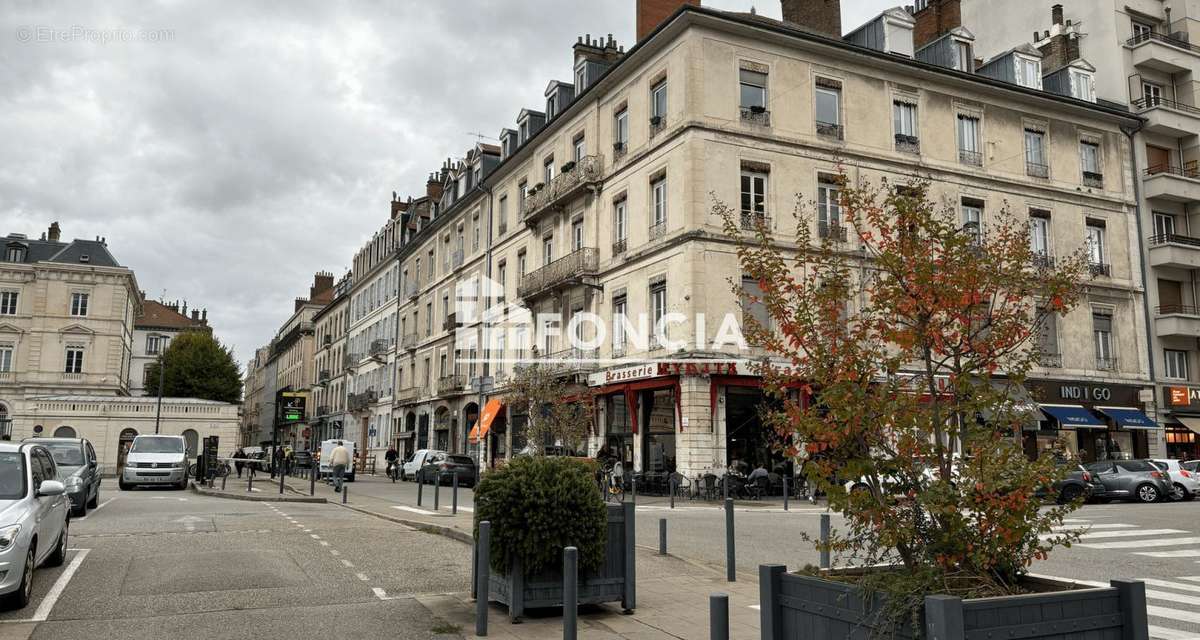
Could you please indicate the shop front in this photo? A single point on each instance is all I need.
(1181, 422)
(639, 416)
(1092, 420)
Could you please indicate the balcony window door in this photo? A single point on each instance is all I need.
(547, 250)
(904, 118)
(548, 170)
(1048, 337)
(1039, 236)
(74, 362)
(1095, 242)
(1158, 159)
(79, 304)
(621, 129)
(829, 210)
(829, 110)
(1164, 225)
(6, 358)
(658, 100)
(8, 303)
(1102, 338)
(968, 140)
(577, 235)
(1141, 30)
(753, 90)
(1170, 296)
(1175, 364)
(1151, 94)
(754, 196)
(658, 190)
(620, 221)
(618, 330)
(972, 218)
(1035, 153)
(580, 147)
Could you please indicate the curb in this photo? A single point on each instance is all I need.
(252, 498)
(448, 532)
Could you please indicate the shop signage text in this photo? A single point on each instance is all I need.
(1182, 396)
(1085, 393)
(658, 369)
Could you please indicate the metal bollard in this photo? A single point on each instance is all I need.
(250, 482)
(454, 494)
(570, 593)
(730, 551)
(718, 616)
(224, 479)
(482, 569)
(281, 482)
(312, 482)
(633, 482)
(662, 536)
(437, 490)
(420, 486)
(824, 540)
(345, 491)
(671, 489)
(785, 493)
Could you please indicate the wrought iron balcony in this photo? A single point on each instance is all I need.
(323, 410)
(620, 149)
(1106, 364)
(973, 158)
(908, 144)
(657, 124)
(587, 173)
(751, 221)
(1050, 360)
(756, 115)
(1100, 269)
(657, 231)
(1158, 37)
(451, 385)
(1043, 259)
(409, 341)
(832, 230)
(572, 360)
(350, 360)
(408, 394)
(323, 376)
(379, 347)
(1093, 179)
(1037, 169)
(451, 322)
(620, 246)
(361, 401)
(574, 268)
(831, 130)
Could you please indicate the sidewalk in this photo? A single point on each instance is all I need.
(672, 593)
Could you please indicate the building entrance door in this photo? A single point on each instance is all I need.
(123, 443)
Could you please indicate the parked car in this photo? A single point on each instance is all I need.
(1193, 466)
(77, 470)
(155, 460)
(1185, 485)
(33, 518)
(1128, 480)
(302, 459)
(1078, 483)
(413, 464)
(441, 466)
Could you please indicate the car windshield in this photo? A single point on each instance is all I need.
(68, 454)
(461, 460)
(12, 476)
(1135, 465)
(1191, 466)
(152, 444)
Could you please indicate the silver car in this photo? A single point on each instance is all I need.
(1128, 480)
(1185, 484)
(33, 518)
(155, 460)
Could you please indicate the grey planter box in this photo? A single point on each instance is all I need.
(796, 606)
(614, 582)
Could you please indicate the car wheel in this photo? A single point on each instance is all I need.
(1148, 493)
(79, 510)
(123, 486)
(1069, 493)
(1178, 492)
(60, 551)
(94, 501)
(20, 598)
(403, 476)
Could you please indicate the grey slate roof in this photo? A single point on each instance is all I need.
(62, 252)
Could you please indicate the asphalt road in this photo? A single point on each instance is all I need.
(172, 564)
(1158, 543)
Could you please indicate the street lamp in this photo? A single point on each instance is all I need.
(161, 338)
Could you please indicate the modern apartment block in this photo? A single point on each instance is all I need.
(1142, 56)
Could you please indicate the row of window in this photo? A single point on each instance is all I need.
(8, 303)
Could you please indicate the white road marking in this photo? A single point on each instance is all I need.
(43, 610)
(415, 510)
(308, 531)
(349, 565)
(1093, 527)
(314, 536)
(362, 576)
(756, 607)
(1184, 615)
(1170, 585)
(380, 593)
(1182, 553)
(1163, 633)
(98, 507)
(335, 552)
(1132, 534)
(1134, 544)
(1192, 578)
(323, 543)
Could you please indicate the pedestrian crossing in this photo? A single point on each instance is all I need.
(1118, 536)
(1166, 620)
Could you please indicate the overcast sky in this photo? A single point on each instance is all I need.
(228, 150)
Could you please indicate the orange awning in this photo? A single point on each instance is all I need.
(481, 428)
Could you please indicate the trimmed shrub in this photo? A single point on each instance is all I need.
(537, 507)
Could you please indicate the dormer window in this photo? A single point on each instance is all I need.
(1083, 85)
(551, 107)
(15, 253)
(580, 77)
(962, 57)
(524, 132)
(1029, 72)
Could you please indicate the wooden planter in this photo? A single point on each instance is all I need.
(797, 606)
(614, 582)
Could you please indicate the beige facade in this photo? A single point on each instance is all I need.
(328, 415)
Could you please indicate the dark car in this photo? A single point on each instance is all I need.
(302, 460)
(1078, 483)
(75, 459)
(1129, 480)
(444, 466)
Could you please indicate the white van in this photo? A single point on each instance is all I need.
(327, 447)
(155, 459)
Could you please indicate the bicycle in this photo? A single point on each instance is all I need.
(614, 485)
(393, 471)
(221, 470)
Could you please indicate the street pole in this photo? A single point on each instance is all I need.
(162, 365)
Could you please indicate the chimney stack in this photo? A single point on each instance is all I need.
(651, 13)
(322, 282)
(55, 232)
(433, 187)
(938, 18)
(204, 316)
(824, 16)
(195, 315)
(1056, 14)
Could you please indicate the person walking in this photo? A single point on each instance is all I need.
(237, 460)
(339, 459)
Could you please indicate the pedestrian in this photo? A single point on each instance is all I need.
(339, 459)
(276, 461)
(237, 460)
(391, 456)
(289, 461)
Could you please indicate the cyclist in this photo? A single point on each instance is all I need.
(392, 456)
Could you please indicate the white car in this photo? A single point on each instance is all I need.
(1185, 485)
(408, 470)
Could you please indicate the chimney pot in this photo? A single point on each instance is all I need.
(55, 232)
(1056, 14)
(652, 13)
(824, 16)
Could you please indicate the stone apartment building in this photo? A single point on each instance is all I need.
(67, 312)
(1143, 57)
(153, 329)
(329, 417)
(603, 204)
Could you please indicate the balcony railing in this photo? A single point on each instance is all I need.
(657, 231)
(620, 149)
(1093, 179)
(832, 231)
(1106, 364)
(451, 385)
(411, 289)
(349, 360)
(1042, 259)
(1174, 238)
(360, 401)
(588, 171)
(323, 376)
(1150, 102)
(570, 268)
(1178, 309)
(1037, 170)
(657, 124)
(1100, 269)
(751, 221)
(323, 410)
(908, 144)
(830, 130)
(72, 377)
(408, 394)
(1189, 171)
(327, 340)
(1158, 37)
(451, 322)
(756, 115)
(620, 246)
(409, 341)
(379, 347)
(1050, 360)
(456, 259)
(973, 158)
(572, 360)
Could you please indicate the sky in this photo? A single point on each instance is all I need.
(229, 150)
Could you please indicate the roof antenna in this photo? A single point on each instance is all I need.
(481, 136)
(753, 11)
